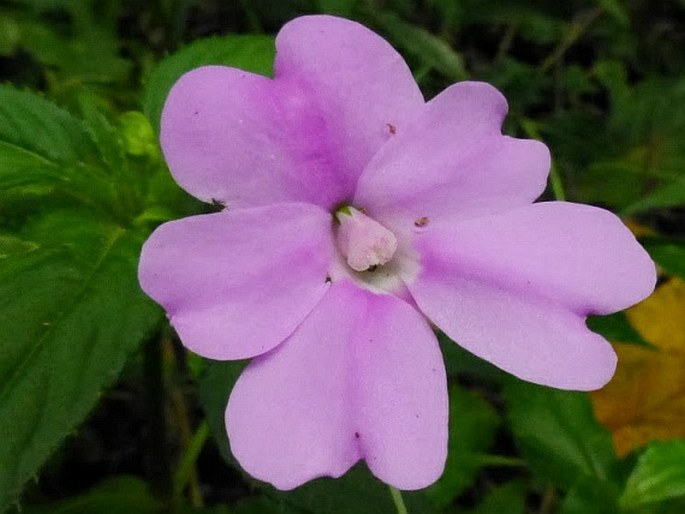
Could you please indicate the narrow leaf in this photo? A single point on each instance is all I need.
(658, 476)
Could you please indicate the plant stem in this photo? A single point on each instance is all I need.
(530, 129)
(575, 31)
(186, 467)
(557, 185)
(501, 461)
(160, 465)
(398, 500)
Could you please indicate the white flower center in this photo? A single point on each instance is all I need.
(365, 243)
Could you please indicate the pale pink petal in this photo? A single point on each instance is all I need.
(289, 417)
(236, 283)
(529, 337)
(452, 160)
(579, 256)
(402, 395)
(515, 288)
(244, 140)
(362, 377)
(359, 83)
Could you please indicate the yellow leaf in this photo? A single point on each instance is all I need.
(646, 398)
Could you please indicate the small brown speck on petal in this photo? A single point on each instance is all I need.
(421, 222)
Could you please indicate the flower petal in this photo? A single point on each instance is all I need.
(577, 255)
(244, 140)
(237, 283)
(452, 160)
(359, 83)
(527, 337)
(361, 377)
(289, 417)
(515, 288)
(402, 395)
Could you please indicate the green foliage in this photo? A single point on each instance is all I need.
(509, 498)
(215, 386)
(75, 43)
(72, 312)
(557, 433)
(39, 141)
(473, 423)
(669, 253)
(616, 327)
(120, 495)
(658, 476)
(434, 53)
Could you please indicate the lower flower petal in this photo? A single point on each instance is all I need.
(237, 283)
(289, 417)
(402, 395)
(526, 336)
(361, 377)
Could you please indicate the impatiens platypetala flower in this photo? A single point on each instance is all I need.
(357, 216)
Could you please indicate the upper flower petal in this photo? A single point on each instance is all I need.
(515, 288)
(360, 84)
(237, 283)
(247, 140)
(244, 140)
(361, 377)
(452, 160)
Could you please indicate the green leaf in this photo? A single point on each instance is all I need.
(616, 328)
(46, 152)
(71, 314)
(85, 47)
(250, 53)
(671, 194)
(473, 423)
(216, 384)
(591, 496)
(337, 7)
(13, 245)
(558, 433)
(261, 505)
(658, 476)
(120, 495)
(430, 49)
(616, 9)
(38, 139)
(459, 362)
(669, 253)
(509, 498)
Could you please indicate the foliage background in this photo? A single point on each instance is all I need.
(101, 409)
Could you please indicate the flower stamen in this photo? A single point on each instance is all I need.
(365, 243)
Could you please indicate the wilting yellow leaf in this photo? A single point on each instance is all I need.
(646, 398)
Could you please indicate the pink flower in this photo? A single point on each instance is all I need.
(356, 215)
